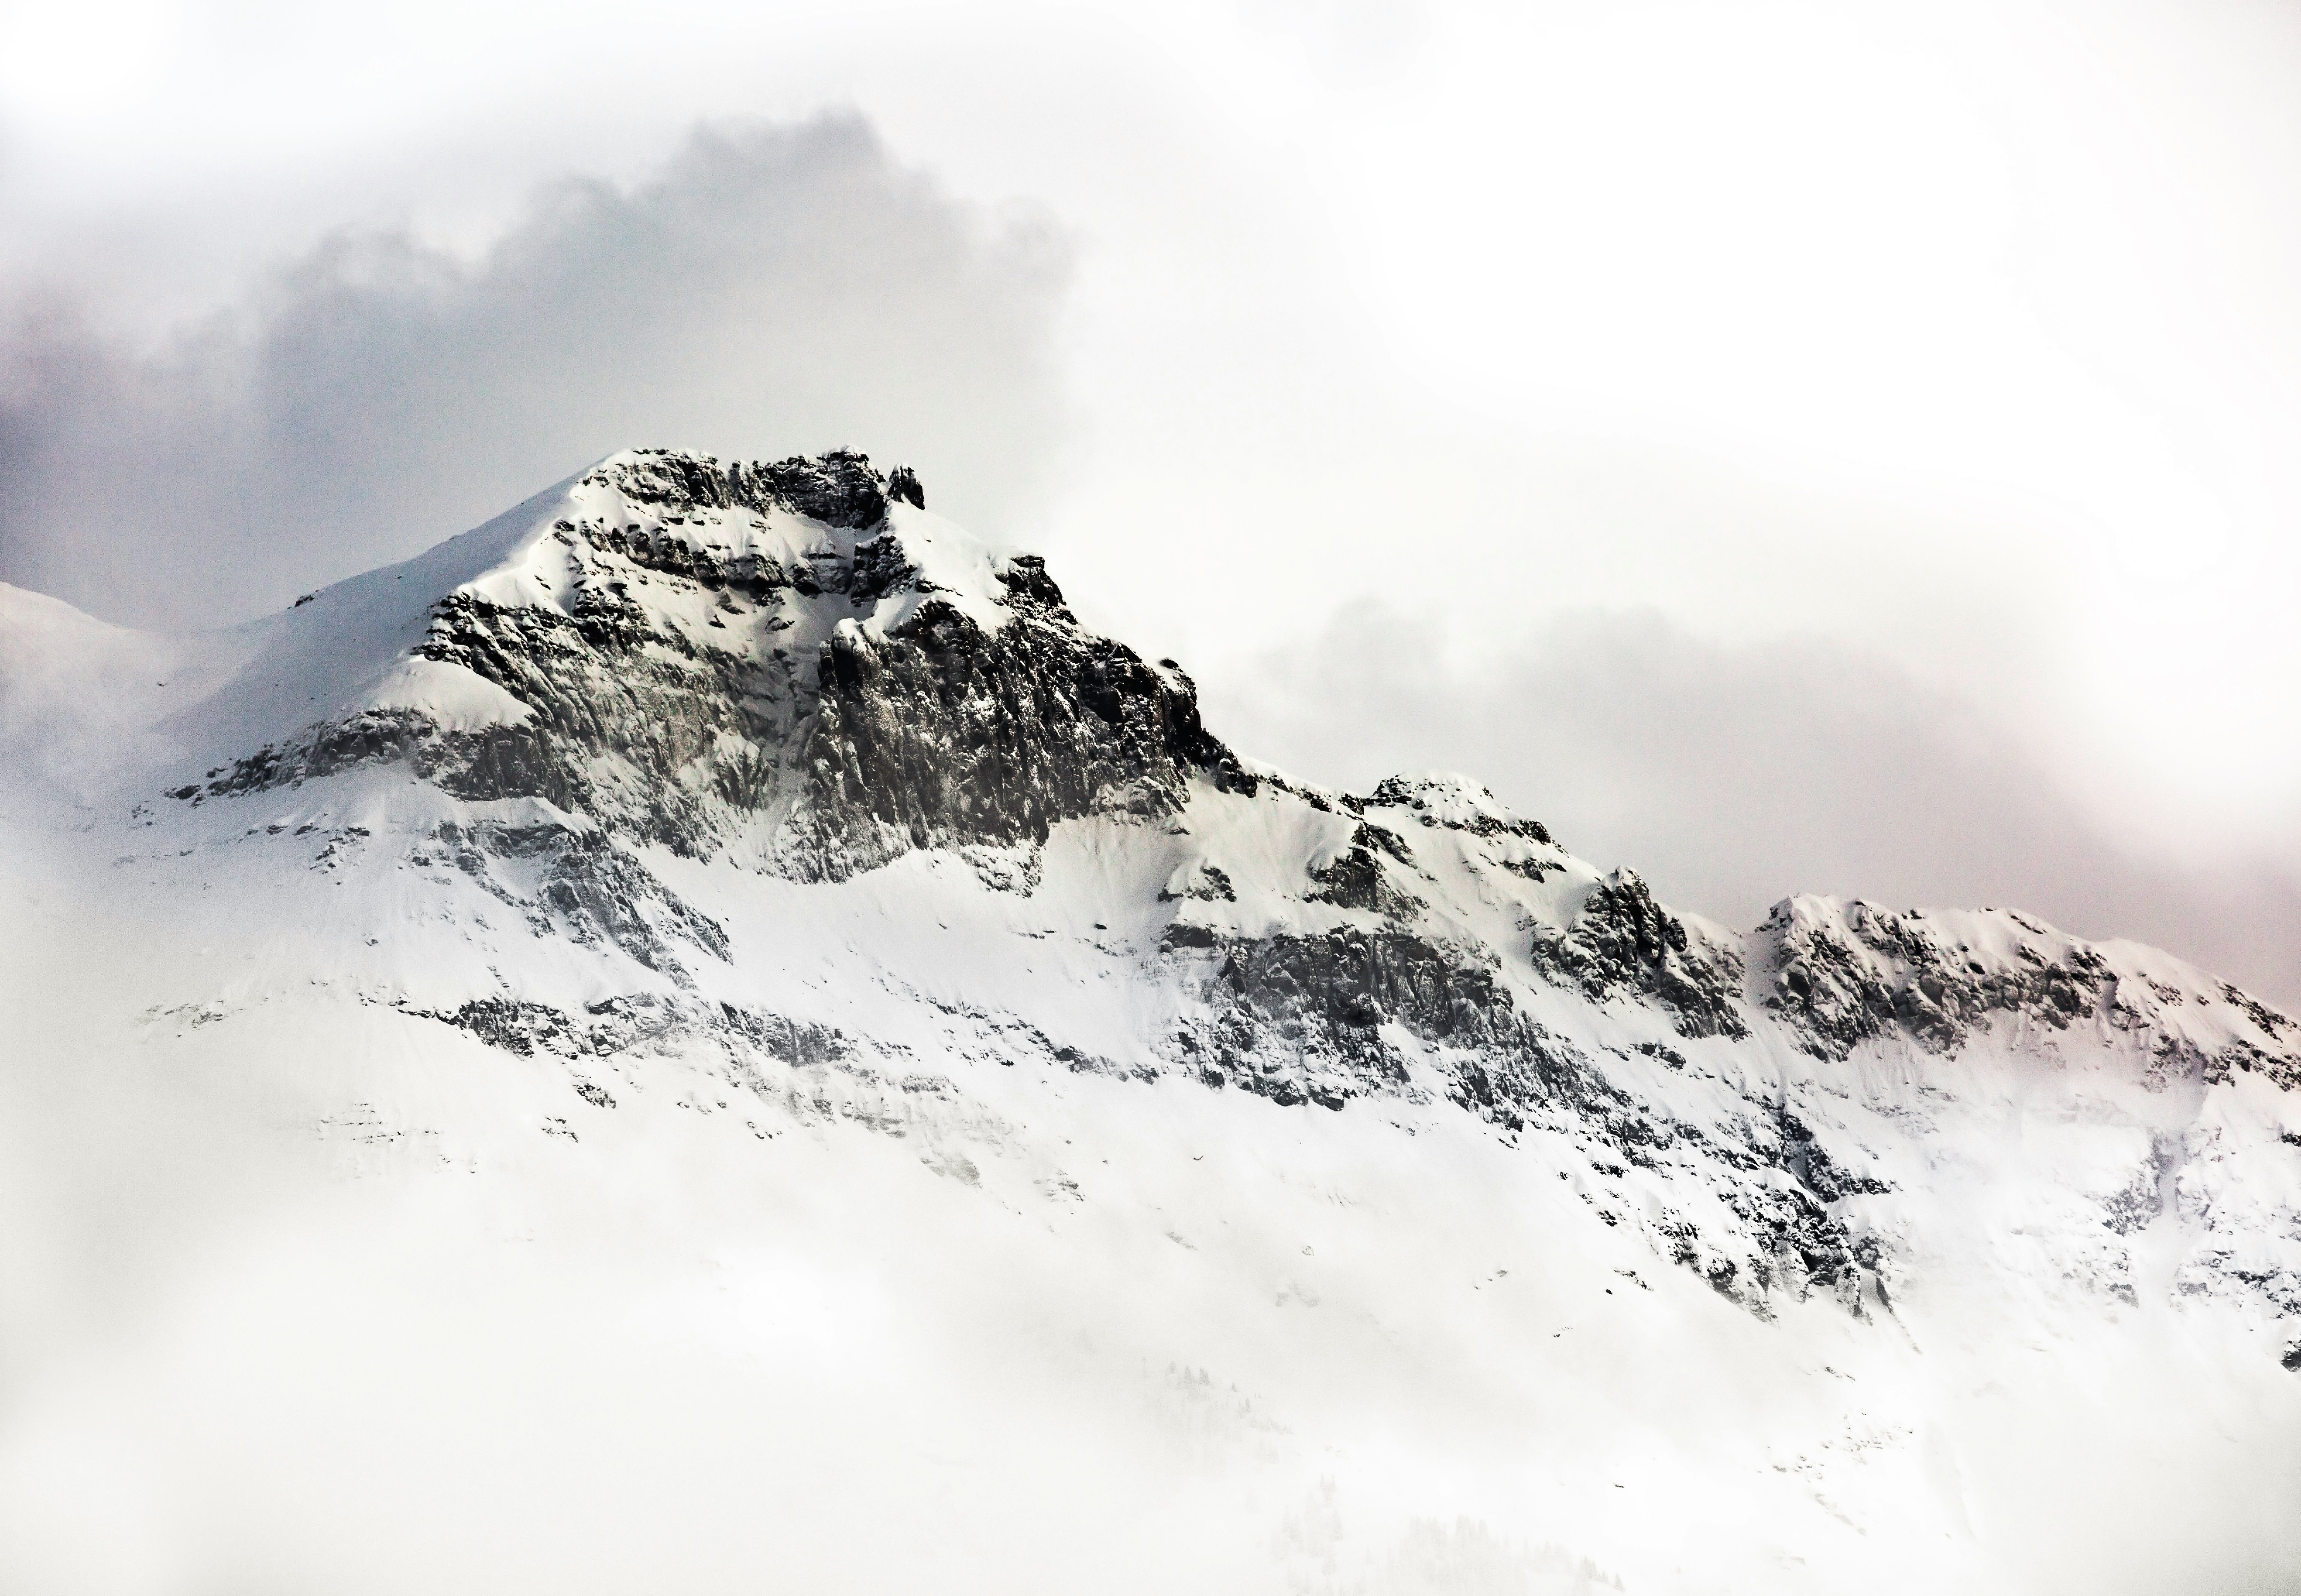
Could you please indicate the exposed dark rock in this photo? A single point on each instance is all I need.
(939, 733)
(2271, 1023)
(1188, 933)
(522, 1028)
(1297, 1018)
(943, 733)
(840, 489)
(666, 477)
(1407, 793)
(631, 1021)
(1355, 879)
(595, 885)
(1841, 979)
(581, 885)
(1300, 1019)
(1621, 942)
(1885, 973)
(1208, 884)
(1308, 1020)
(1811, 1165)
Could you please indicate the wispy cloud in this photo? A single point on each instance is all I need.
(1734, 776)
(766, 291)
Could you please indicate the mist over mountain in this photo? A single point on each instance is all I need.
(781, 280)
(1725, 770)
(709, 1030)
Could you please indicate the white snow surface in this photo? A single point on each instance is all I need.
(307, 1289)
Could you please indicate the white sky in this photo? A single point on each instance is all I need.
(1962, 336)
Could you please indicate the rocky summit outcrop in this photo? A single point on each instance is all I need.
(940, 731)
(749, 658)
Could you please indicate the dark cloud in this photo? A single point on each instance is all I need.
(769, 291)
(1732, 776)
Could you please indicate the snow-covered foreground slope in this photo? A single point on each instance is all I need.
(706, 1035)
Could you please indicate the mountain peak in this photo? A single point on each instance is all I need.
(751, 835)
(780, 662)
(793, 671)
(838, 488)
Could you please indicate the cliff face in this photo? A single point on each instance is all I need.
(751, 659)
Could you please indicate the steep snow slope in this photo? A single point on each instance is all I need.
(706, 1031)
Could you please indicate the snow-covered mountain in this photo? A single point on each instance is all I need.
(706, 1032)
